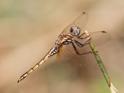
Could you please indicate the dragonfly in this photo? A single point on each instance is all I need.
(73, 34)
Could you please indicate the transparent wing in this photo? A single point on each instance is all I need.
(80, 21)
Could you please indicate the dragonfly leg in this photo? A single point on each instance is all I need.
(86, 42)
(83, 36)
(78, 53)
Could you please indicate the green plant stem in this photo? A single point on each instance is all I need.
(100, 64)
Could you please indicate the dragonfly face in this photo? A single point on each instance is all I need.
(75, 31)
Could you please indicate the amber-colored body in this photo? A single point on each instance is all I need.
(71, 37)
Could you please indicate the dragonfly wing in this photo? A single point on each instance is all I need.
(80, 21)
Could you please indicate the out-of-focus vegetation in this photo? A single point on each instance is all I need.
(28, 28)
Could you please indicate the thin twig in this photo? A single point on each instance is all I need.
(102, 68)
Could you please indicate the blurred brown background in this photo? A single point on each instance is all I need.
(28, 29)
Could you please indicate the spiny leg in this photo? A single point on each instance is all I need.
(83, 36)
(80, 44)
(87, 41)
(80, 36)
(77, 52)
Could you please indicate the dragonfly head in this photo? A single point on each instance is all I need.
(75, 31)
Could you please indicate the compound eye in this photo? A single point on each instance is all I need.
(75, 31)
